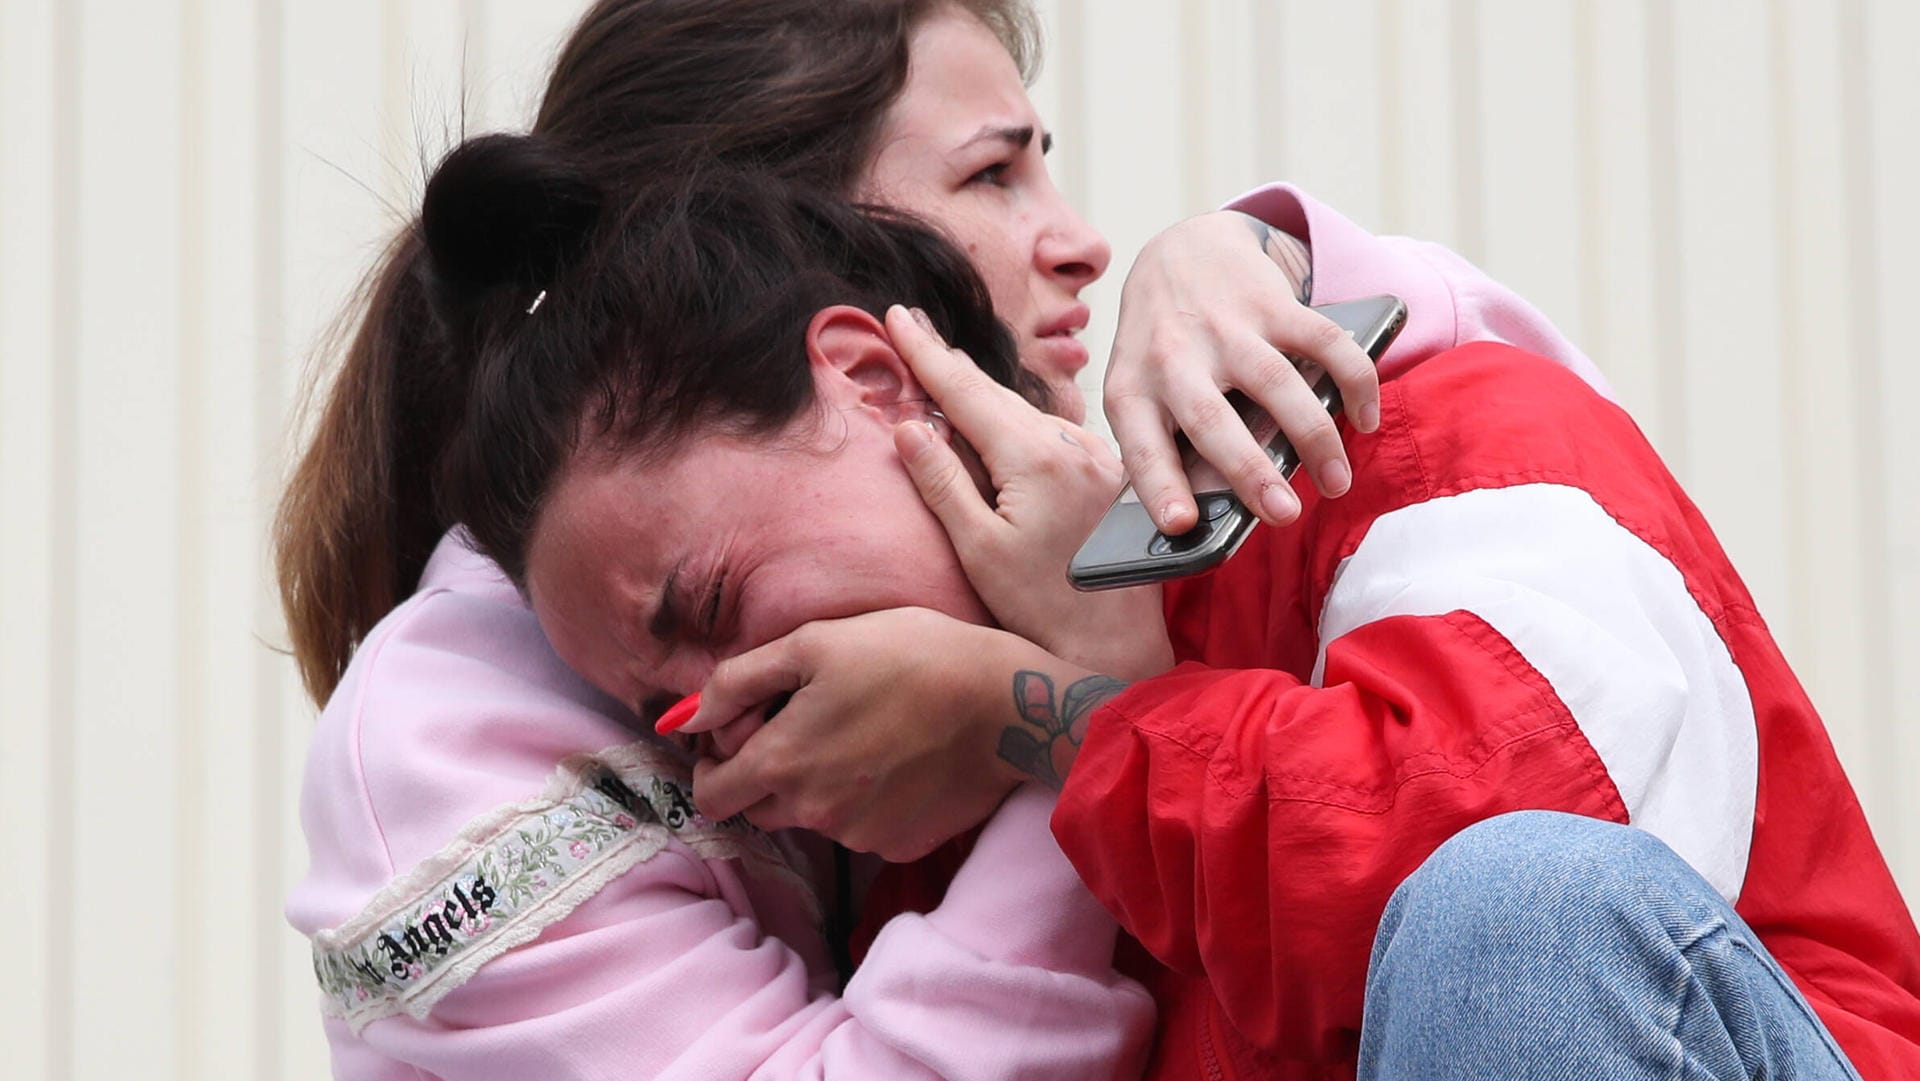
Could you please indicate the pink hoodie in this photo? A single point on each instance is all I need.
(1449, 300)
(508, 882)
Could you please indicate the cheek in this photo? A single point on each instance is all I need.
(999, 240)
(574, 638)
(897, 563)
(1005, 264)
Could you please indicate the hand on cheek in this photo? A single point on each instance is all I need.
(1051, 481)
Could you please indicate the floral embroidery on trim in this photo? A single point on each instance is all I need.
(515, 872)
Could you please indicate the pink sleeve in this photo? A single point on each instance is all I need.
(662, 975)
(1450, 301)
(661, 949)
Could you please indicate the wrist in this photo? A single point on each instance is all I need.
(1287, 251)
(1043, 708)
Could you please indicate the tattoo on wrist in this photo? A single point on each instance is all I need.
(1288, 253)
(1043, 745)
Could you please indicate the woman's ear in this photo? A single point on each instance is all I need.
(856, 366)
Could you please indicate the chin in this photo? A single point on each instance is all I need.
(1068, 404)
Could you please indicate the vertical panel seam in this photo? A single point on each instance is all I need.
(1270, 149)
(1858, 170)
(395, 93)
(1664, 188)
(1393, 120)
(1073, 103)
(1469, 137)
(473, 59)
(1786, 222)
(190, 637)
(1197, 133)
(63, 516)
(268, 428)
(1590, 88)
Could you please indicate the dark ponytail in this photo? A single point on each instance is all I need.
(643, 88)
(356, 523)
(505, 210)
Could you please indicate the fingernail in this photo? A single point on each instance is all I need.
(1277, 502)
(1335, 478)
(915, 438)
(677, 716)
(926, 323)
(1370, 416)
(1171, 513)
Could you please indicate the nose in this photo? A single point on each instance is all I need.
(1069, 248)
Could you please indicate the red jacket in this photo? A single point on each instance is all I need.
(1515, 607)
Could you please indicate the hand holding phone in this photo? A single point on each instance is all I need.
(1127, 549)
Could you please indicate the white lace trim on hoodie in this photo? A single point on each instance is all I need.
(517, 870)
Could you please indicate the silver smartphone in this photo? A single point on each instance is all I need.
(1127, 549)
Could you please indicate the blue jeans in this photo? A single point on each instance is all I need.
(1542, 945)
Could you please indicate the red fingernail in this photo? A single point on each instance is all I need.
(677, 716)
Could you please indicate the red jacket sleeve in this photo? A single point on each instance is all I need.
(1246, 825)
(1516, 613)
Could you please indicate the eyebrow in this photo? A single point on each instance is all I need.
(666, 619)
(1017, 137)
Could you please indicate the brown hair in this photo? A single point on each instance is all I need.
(643, 88)
(680, 310)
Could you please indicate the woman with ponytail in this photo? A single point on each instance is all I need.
(509, 880)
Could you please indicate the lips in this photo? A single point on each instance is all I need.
(1055, 339)
(1067, 323)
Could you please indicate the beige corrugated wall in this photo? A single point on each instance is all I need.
(1714, 196)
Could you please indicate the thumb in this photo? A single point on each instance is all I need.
(943, 483)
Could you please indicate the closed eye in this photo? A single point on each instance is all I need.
(710, 611)
(994, 175)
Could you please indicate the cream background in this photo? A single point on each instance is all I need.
(1713, 196)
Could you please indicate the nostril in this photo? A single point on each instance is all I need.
(1076, 269)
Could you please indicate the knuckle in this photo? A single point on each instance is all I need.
(1209, 413)
(937, 487)
(1055, 461)
(777, 768)
(1272, 375)
(1167, 340)
(1150, 459)
(970, 383)
(1124, 390)
(819, 816)
(1326, 335)
(1318, 437)
(1252, 468)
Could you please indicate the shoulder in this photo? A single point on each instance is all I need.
(1489, 415)
(465, 793)
(1485, 439)
(453, 706)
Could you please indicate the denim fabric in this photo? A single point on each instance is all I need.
(1544, 945)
